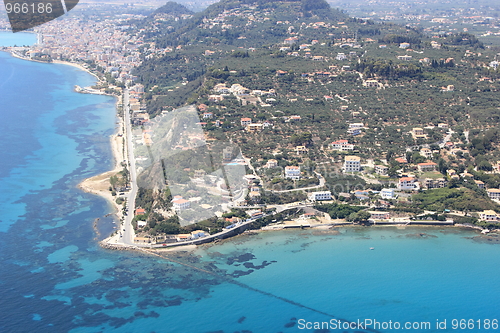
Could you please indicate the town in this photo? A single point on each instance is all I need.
(329, 121)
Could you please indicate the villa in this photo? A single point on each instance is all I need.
(489, 215)
(321, 195)
(292, 172)
(407, 183)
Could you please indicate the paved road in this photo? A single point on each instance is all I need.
(127, 230)
(321, 184)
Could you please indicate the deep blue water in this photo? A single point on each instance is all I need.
(55, 278)
(17, 39)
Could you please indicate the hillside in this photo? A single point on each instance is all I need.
(305, 75)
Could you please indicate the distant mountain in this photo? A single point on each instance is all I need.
(173, 8)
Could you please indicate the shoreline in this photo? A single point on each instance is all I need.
(99, 185)
(61, 62)
(95, 184)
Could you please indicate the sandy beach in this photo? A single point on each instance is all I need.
(99, 184)
(75, 65)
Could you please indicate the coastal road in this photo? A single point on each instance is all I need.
(127, 230)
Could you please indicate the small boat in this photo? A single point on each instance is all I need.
(372, 248)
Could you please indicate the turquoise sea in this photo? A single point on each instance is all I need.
(55, 278)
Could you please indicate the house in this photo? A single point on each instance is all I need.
(354, 131)
(404, 45)
(381, 169)
(356, 125)
(221, 88)
(388, 193)
(246, 121)
(254, 196)
(426, 152)
(140, 211)
(238, 89)
(451, 172)
(479, 184)
(142, 240)
(292, 172)
(318, 196)
(405, 57)
(182, 237)
(252, 128)
(401, 160)
(208, 115)
(418, 133)
(281, 73)
(199, 173)
(361, 195)
(291, 40)
(271, 164)
(227, 154)
(203, 107)
(215, 98)
(371, 83)
(180, 203)
(352, 164)
(198, 234)
(489, 215)
(342, 145)
(300, 149)
(430, 183)
(341, 56)
(435, 45)
(380, 215)
(407, 183)
(493, 193)
(141, 224)
(427, 166)
(355, 128)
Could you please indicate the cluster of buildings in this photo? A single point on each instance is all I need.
(103, 41)
(244, 95)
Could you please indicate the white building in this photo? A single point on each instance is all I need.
(488, 215)
(342, 145)
(180, 203)
(271, 164)
(494, 193)
(352, 164)
(341, 56)
(245, 121)
(388, 193)
(405, 57)
(321, 195)
(381, 169)
(292, 172)
(221, 88)
(407, 183)
(380, 215)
